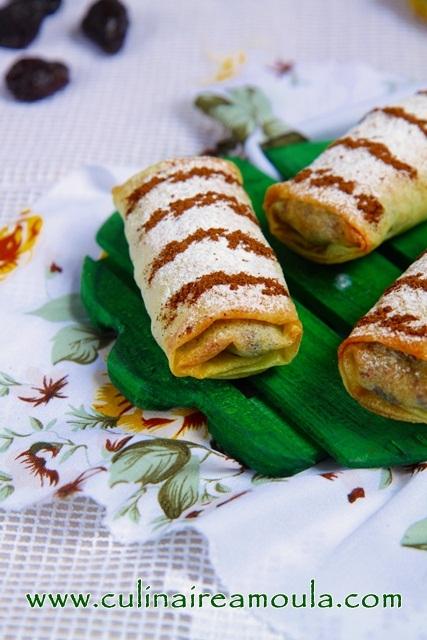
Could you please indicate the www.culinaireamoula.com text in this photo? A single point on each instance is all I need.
(145, 598)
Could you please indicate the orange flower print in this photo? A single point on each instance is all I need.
(117, 444)
(17, 241)
(110, 402)
(192, 419)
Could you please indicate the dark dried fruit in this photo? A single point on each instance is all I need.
(19, 24)
(106, 23)
(32, 79)
(47, 6)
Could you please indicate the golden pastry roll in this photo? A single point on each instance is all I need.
(383, 363)
(363, 189)
(211, 284)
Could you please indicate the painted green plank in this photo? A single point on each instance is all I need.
(311, 391)
(111, 238)
(291, 159)
(248, 429)
(406, 248)
(253, 429)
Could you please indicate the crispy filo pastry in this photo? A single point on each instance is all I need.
(214, 290)
(365, 188)
(383, 363)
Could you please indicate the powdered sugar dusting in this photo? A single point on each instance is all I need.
(372, 176)
(203, 257)
(402, 310)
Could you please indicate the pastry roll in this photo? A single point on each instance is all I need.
(366, 187)
(383, 362)
(214, 290)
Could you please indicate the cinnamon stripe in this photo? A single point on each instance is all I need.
(189, 293)
(303, 175)
(178, 176)
(369, 205)
(414, 281)
(179, 207)
(306, 173)
(399, 112)
(331, 180)
(378, 150)
(234, 240)
(398, 322)
(423, 92)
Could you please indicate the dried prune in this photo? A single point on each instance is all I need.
(106, 23)
(47, 6)
(32, 79)
(19, 24)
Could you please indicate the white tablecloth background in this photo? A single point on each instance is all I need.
(134, 109)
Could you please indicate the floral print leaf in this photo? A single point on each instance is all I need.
(36, 424)
(6, 488)
(131, 511)
(82, 419)
(77, 343)
(237, 120)
(254, 101)
(6, 491)
(386, 478)
(8, 381)
(207, 102)
(149, 461)
(181, 491)
(68, 307)
(5, 442)
(244, 109)
(5, 477)
(416, 536)
(68, 453)
(233, 113)
(221, 488)
(258, 478)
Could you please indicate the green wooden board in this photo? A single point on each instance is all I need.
(245, 427)
(287, 418)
